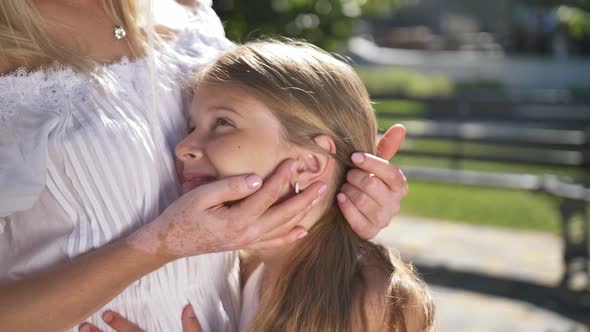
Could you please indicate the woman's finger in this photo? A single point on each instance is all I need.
(391, 141)
(390, 174)
(190, 323)
(87, 327)
(230, 189)
(119, 323)
(289, 232)
(378, 215)
(284, 229)
(287, 210)
(295, 234)
(275, 186)
(371, 185)
(357, 221)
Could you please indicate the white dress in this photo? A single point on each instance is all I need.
(251, 298)
(79, 169)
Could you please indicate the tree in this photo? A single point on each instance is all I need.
(326, 23)
(576, 17)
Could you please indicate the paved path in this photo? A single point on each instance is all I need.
(491, 259)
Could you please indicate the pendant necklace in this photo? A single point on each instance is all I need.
(119, 32)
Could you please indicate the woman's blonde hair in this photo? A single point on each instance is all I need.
(312, 93)
(24, 41)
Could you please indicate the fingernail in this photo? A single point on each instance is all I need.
(322, 189)
(341, 198)
(85, 328)
(253, 181)
(358, 158)
(302, 235)
(316, 201)
(107, 317)
(190, 313)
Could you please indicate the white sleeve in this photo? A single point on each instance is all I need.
(24, 135)
(204, 38)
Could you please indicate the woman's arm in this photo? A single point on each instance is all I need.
(57, 299)
(197, 223)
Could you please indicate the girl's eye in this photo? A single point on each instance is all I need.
(221, 122)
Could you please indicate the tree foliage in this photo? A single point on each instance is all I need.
(326, 23)
(576, 16)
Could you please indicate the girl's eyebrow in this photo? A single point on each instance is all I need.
(225, 108)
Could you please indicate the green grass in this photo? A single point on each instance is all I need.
(404, 81)
(395, 80)
(405, 107)
(481, 205)
(488, 166)
(484, 206)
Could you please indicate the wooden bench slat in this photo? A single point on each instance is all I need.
(487, 131)
(559, 158)
(551, 184)
(572, 120)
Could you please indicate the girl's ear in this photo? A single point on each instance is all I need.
(314, 166)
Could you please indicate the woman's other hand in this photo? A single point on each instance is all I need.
(190, 323)
(372, 195)
(234, 213)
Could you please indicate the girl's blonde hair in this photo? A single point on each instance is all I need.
(312, 93)
(24, 41)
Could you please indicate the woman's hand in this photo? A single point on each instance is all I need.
(372, 195)
(233, 213)
(190, 323)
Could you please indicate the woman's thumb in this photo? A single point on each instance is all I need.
(391, 142)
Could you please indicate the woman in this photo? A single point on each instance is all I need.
(85, 152)
(276, 101)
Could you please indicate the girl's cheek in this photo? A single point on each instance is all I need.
(243, 153)
(230, 156)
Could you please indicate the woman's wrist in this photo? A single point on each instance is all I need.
(145, 256)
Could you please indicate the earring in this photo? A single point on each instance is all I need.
(297, 187)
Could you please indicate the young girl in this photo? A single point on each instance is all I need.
(268, 101)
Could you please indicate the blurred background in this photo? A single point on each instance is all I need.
(495, 96)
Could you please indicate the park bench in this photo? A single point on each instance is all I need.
(540, 128)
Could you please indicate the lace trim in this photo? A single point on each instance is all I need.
(54, 87)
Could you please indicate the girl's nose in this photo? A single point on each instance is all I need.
(192, 155)
(188, 150)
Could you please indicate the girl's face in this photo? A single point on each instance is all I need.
(231, 133)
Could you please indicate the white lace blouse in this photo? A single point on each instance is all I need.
(79, 168)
